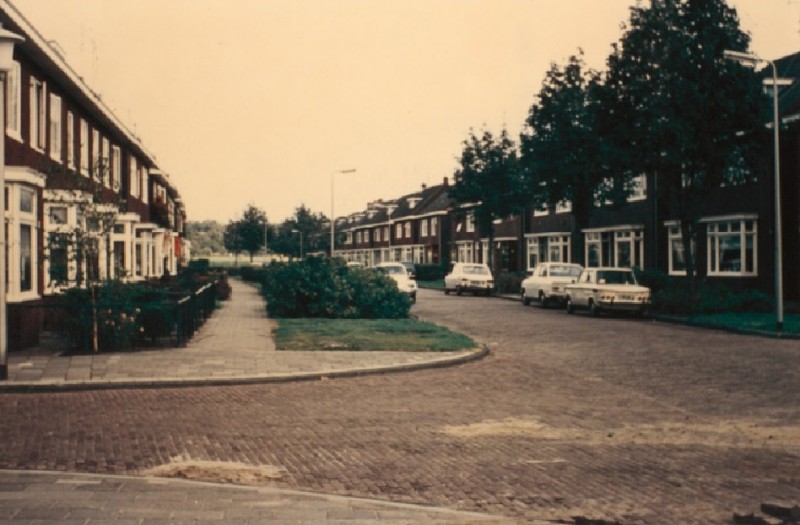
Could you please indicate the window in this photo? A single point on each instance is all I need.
(38, 117)
(116, 168)
(57, 215)
(21, 231)
(145, 183)
(14, 102)
(70, 140)
(84, 147)
(732, 247)
(638, 189)
(677, 254)
(470, 222)
(398, 233)
(434, 226)
(56, 132)
(95, 166)
(407, 227)
(564, 207)
(105, 163)
(423, 228)
(548, 248)
(617, 248)
(58, 261)
(540, 211)
(386, 231)
(133, 177)
(377, 234)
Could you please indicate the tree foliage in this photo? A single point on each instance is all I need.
(671, 105)
(206, 237)
(488, 179)
(561, 153)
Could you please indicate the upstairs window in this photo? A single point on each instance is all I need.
(56, 131)
(116, 168)
(84, 147)
(434, 226)
(38, 116)
(14, 102)
(70, 140)
(133, 177)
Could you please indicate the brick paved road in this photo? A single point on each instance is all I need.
(607, 418)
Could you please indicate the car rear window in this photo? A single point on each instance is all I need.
(564, 271)
(476, 270)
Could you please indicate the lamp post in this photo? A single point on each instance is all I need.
(301, 241)
(751, 60)
(333, 221)
(7, 41)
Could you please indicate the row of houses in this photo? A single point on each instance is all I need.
(64, 149)
(735, 244)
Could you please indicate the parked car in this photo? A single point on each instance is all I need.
(610, 290)
(547, 283)
(410, 268)
(398, 272)
(355, 264)
(470, 277)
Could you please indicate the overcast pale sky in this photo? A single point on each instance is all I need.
(259, 101)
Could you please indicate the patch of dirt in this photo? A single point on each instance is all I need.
(723, 433)
(185, 467)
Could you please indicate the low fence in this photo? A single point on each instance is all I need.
(170, 321)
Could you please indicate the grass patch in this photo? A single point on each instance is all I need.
(764, 322)
(367, 334)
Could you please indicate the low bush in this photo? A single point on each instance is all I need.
(430, 272)
(508, 282)
(680, 298)
(325, 288)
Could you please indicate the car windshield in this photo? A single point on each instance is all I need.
(392, 269)
(564, 271)
(476, 270)
(616, 277)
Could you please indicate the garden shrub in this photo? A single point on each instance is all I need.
(508, 282)
(430, 272)
(319, 287)
(680, 298)
(116, 317)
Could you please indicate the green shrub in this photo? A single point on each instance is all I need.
(508, 282)
(318, 287)
(430, 272)
(705, 298)
(116, 316)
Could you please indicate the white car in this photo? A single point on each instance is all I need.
(608, 290)
(470, 277)
(547, 283)
(398, 272)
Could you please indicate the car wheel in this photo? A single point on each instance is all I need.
(446, 291)
(525, 299)
(593, 309)
(459, 291)
(570, 307)
(543, 299)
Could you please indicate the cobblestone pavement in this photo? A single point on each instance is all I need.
(610, 418)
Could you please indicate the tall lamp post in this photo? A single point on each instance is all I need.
(7, 41)
(333, 221)
(751, 60)
(301, 241)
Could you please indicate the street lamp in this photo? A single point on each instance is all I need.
(7, 41)
(301, 241)
(751, 60)
(333, 221)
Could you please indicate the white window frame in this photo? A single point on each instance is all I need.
(95, 153)
(470, 222)
(638, 189)
(423, 228)
(398, 230)
(106, 162)
(14, 102)
(564, 206)
(38, 114)
(116, 168)
(70, 132)
(133, 177)
(84, 147)
(407, 231)
(16, 219)
(434, 227)
(145, 185)
(56, 135)
(715, 236)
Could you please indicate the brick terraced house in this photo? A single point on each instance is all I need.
(58, 134)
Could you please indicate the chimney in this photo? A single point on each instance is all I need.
(424, 186)
(446, 182)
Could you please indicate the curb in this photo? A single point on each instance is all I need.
(174, 382)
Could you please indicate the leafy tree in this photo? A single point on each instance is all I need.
(561, 153)
(671, 105)
(312, 226)
(206, 237)
(489, 179)
(246, 234)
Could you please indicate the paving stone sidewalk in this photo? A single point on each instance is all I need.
(234, 345)
(88, 499)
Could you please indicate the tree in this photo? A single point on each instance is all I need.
(247, 234)
(671, 105)
(206, 237)
(489, 180)
(312, 226)
(561, 153)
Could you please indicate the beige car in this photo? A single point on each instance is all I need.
(548, 282)
(608, 290)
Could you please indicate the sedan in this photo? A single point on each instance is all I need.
(397, 271)
(547, 283)
(608, 290)
(469, 277)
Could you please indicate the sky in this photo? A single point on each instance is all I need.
(262, 102)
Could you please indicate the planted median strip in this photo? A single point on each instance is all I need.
(367, 335)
